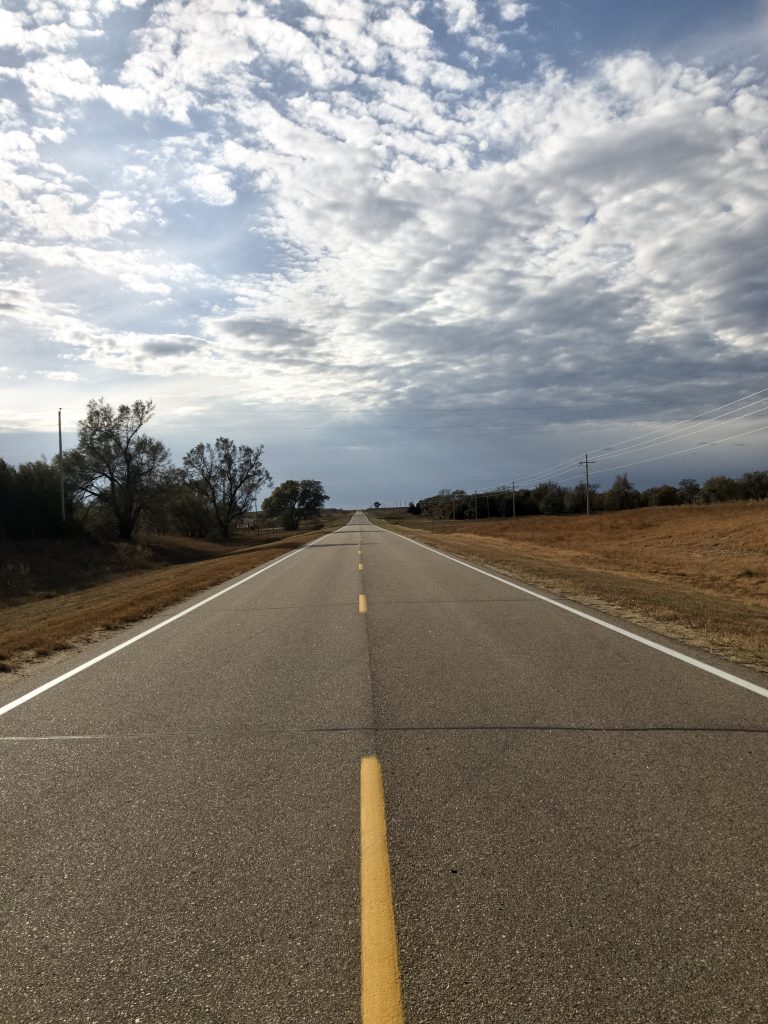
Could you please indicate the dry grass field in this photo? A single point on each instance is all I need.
(54, 595)
(696, 573)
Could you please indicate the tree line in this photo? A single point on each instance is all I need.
(552, 498)
(118, 479)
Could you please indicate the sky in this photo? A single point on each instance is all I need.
(405, 246)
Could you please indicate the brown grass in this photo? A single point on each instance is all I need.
(697, 573)
(74, 592)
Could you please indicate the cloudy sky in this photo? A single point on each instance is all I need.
(404, 245)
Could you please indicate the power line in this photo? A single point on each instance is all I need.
(680, 423)
(612, 451)
(687, 431)
(683, 451)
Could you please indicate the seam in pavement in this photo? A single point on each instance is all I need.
(346, 729)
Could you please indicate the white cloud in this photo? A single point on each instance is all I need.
(55, 78)
(63, 375)
(137, 270)
(512, 10)
(16, 33)
(212, 186)
(607, 217)
(461, 15)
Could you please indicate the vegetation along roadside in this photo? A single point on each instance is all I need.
(112, 531)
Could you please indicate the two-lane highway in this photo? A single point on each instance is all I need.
(576, 821)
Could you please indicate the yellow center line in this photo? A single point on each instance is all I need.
(381, 1002)
(362, 606)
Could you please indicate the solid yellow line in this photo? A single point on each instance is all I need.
(363, 604)
(381, 1002)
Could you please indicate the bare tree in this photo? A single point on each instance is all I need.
(228, 476)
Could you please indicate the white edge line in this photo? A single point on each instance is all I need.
(153, 629)
(737, 680)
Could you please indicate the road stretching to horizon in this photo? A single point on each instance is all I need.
(576, 822)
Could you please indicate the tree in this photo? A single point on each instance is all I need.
(622, 495)
(227, 476)
(549, 496)
(294, 500)
(665, 494)
(720, 488)
(688, 489)
(115, 465)
(754, 485)
(575, 498)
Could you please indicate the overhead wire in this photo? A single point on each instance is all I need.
(679, 423)
(694, 428)
(683, 451)
(657, 437)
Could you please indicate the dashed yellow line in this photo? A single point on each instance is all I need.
(381, 1001)
(362, 606)
(360, 566)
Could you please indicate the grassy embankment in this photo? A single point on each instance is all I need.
(55, 594)
(695, 573)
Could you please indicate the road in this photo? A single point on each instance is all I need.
(576, 821)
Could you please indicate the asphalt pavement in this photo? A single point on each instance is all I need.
(577, 825)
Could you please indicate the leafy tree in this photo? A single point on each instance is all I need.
(575, 498)
(115, 465)
(7, 499)
(622, 495)
(663, 495)
(227, 476)
(190, 514)
(550, 497)
(295, 500)
(754, 485)
(30, 501)
(182, 511)
(688, 489)
(720, 488)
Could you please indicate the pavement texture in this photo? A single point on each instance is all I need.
(576, 822)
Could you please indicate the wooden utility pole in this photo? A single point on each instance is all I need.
(61, 475)
(586, 464)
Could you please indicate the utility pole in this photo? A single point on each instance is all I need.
(61, 475)
(586, 464)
